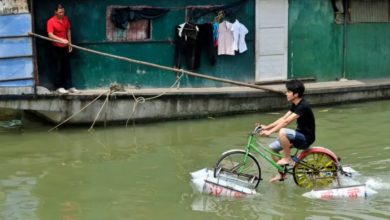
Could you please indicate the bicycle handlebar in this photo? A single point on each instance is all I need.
(257, 130)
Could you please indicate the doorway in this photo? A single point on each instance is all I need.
(271, 40)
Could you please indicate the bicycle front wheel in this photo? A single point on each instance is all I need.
(240, 166)
(315, 170)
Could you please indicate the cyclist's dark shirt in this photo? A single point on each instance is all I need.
(306, 122)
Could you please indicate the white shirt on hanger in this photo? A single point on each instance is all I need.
(239, 32)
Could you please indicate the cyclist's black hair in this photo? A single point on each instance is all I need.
(296, 86)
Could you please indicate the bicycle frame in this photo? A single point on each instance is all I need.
(251, 146)
(254, 145)
(316, 166)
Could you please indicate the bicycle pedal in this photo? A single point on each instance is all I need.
(288, 169)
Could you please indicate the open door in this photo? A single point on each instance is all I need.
(271, 40)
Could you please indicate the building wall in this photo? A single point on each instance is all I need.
(315, 41)
(368, 49)
(88, 20)
(316, 44)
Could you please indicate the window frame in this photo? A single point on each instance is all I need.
(112, 31)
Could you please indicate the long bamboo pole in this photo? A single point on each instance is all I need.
(233, 82)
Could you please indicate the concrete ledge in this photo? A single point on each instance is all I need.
(185, 102)
(23, 90)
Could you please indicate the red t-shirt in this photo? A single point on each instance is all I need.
(59, 28)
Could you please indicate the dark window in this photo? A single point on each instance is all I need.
(369, 11)
(361, 11)
(138, 30)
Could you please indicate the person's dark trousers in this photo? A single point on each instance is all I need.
(63, 77)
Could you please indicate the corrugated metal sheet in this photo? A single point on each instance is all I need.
(16, 63)
(369, 11)
(15, 25)
(15, 47)
(15, 68)
(21, 82)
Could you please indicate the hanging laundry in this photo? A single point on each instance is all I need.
(215, 33)
(225, 39)
(122, 16)
(204, 44)
(191, 41)
(188, 30)
(239, 32)
(185, 44)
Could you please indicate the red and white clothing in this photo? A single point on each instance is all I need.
(225, 38)
(59, 28)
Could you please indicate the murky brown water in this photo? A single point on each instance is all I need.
(143, 172)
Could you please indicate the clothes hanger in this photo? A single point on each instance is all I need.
(219, 17)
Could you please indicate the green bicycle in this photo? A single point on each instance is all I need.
(315, 167)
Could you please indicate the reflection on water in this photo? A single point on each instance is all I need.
(143, 172)
(15, 123)
(17, 200)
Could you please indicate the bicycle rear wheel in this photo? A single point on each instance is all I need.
(315, 169)
(233, 164)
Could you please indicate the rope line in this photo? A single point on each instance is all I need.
(108, 93)
(238, 83)
(86, 106)
(142, 100)
(100, 110)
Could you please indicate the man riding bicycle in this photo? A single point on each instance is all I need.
(302, 137)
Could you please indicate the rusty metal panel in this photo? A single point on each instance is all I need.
(135, 31)
(13, 7)
(369, 11)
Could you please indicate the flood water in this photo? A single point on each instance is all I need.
(142, 172)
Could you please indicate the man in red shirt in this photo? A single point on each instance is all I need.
(58, 28)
